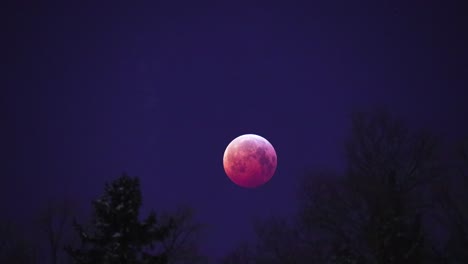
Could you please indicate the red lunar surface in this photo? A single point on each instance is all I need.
(250, 161)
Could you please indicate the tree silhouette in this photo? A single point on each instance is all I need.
(328, 210)
(116, 235)
(453, 199)
(374, 213)
(54, 221)
(282, 241)
(181, 243)
(277, 241)
(241, 254)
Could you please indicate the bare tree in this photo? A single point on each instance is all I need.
(330, 214)
(373, 212)
(55, 221)
(276, 241)
(181, 245)
(243, 253)
(281, 240)
(453, 200)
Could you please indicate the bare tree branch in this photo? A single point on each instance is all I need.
(55, 221)
(181, 244)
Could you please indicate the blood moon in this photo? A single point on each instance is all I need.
(249, 161)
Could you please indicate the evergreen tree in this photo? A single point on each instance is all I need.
(116, 235)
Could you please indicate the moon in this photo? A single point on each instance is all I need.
(249, 161)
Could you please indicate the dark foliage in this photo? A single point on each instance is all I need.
(452, 197)
(116, 235)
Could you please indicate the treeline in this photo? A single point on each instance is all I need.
(114, 234)
(401, 199)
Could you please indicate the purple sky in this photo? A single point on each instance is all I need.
(160, 90)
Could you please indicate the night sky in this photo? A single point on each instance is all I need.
(159, 91)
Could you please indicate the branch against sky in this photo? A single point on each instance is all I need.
(281, 240)
(278, 241)
(243, 253)
(381, 144)
(55, 222)
(370, 214)
(373, 212)
(182, 243)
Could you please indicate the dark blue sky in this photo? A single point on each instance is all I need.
(159, 91)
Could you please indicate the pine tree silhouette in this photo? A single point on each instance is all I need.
(116, 235)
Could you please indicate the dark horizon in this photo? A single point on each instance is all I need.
(159, 90)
